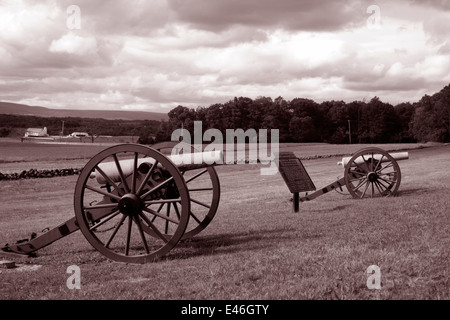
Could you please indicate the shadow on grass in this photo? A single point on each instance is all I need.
(227, 243)
(413, 192)
(327, 210)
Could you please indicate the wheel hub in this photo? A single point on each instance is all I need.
(372, 177)
(130, 204)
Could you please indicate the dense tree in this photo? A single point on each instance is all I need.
(336, 117)
(405, 112)
(378, 122)
(431, 119)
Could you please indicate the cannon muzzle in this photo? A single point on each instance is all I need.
(376, 156)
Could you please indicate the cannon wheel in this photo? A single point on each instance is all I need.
(372, 172)
(204, 191)
(113, 214)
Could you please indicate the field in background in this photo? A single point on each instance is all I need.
(256, 247)
(16, 156)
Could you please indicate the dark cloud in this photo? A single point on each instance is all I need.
(395, 84)
(445, 48)
(438, 4)
(120, 16)
(307, 15)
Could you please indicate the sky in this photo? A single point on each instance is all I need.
(156, 55)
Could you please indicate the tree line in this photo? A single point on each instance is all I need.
(338, 122)
(298, 120)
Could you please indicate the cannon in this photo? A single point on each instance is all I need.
(134, 204)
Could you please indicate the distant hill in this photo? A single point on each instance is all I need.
(22, 109)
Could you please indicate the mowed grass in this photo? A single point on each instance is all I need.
(256, 247)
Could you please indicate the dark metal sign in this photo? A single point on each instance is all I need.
(294, 173)
(295, 176)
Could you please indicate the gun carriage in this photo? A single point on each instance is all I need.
(134, 204)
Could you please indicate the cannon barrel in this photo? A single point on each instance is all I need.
(186, 161)
(376, 156)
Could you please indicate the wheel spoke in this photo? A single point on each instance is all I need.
(130, 224)
(141, 232)
(372, 163)
(386, 189)
(360, 173)
(147, 176)
(115, 231)
(365, 190)
(101, 206)
(359, 185)
(105, 193)
(201, 203)
(388, 181)
(357, 179)
(134, 177)
(378, 188)
(157, 214)
(367, 169)
(154, 228)
(200, 189)
(195, 218)
(390, 173)
(364, 170)
(381, 184)
(379, 162)
(110, 181)
(159, 210)
(168, 217)
(113, 214)
(390, 164)
(122, 177)
(177, 212)
(196, 176)
(162, 201)
(156, 188)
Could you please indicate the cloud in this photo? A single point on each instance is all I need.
(74, 44)
(438, 4)
(289, 14)
(158, 54)
(121, 17)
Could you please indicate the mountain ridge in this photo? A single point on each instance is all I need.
(23, 109)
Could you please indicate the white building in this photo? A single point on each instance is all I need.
(79, 134)
(36, 132)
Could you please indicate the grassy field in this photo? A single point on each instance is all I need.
(256, 247)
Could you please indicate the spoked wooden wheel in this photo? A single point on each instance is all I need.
(114, 196)
(203, 187)
(372, 172)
